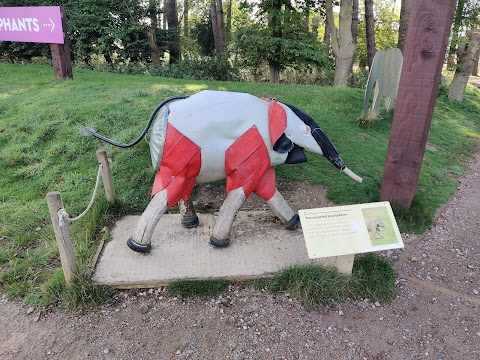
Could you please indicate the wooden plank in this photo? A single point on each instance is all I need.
(425, 49)
(94, 260)
(260, 247)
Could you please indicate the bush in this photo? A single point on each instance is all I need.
(358, 79)
(308, 75)
(189, 69)
(200, 69)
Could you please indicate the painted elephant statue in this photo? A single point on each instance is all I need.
(214, 135)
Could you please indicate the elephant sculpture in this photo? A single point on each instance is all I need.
(214, 135)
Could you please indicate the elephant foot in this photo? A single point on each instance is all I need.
(293, 223)
(219, 243)
(135, 246)
(190, 221)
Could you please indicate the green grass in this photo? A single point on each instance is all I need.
(41, 150)
(372, 278)
(314, 285)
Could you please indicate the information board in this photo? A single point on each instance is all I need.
(350, 229)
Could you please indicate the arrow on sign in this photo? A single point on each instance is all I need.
(52, 25)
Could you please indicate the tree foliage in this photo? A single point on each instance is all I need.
(387, 20)
(285, 41)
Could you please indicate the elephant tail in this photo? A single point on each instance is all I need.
(88, 131)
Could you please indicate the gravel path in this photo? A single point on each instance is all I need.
(436, 314)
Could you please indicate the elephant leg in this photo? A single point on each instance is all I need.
(226, 216)
(280, 207)
(141, 240)
(188, 217)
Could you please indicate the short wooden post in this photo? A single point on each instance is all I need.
(62, 235)
(106, 176)
(61, 58)
(427, 40)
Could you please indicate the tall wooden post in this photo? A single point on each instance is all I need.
(61, 58)
(62, 235)
(427, 39)
(106, 176)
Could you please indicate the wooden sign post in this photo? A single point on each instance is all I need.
(40, 24)
(425, 49)
(61, 58)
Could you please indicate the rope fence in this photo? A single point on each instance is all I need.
(61, 220)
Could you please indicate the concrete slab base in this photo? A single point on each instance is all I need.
(259, 247)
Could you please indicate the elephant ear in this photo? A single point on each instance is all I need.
(277, 123)
(283, 144)
(296, 156)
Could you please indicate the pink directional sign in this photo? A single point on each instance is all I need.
(40, 24)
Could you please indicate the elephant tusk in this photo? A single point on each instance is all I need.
(352, 175)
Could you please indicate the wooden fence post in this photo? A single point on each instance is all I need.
(62, 235)
(427, 40)
(106, 176)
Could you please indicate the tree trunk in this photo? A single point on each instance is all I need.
(228, 25)
(275, 25)
(216, 12)
(465, 59)
(172, 23)
(274, 72)
(151, 36)
(213, 16)
(221, 26)
(475, 63)
(185, 18)
(354, 28)
(315, 25)
(342, 41)
(404, 18)
(370, 32)
(454, 38)
(164, 17)
(152, 42)
(326, 35)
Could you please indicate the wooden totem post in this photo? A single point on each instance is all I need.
(425, 48)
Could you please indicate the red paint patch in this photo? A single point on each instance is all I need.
(181, 162)
(246, 162)
(266, 187)
(277, 121)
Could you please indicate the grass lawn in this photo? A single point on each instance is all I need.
(41, 150)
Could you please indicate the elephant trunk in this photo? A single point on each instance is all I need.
(328, 149)
(331, 153)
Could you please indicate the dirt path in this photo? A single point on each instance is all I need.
(436, 313)
(474, 80)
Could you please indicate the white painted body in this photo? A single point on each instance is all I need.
(214, 120)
